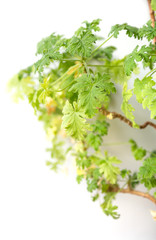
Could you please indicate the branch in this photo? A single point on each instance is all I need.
(112, 115)
(134, 192)
(152, 16)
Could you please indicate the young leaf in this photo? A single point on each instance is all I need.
(74, 121)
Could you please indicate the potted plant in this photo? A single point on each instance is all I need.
(71, 87)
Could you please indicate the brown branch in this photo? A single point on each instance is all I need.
(112, 115)
(152, 16)
(134, 192)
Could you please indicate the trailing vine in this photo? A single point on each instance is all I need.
(70, 88)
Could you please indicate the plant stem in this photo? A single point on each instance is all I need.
(151, 72)
(86, 68)
(152, 16)
(102, 44)
(67, 74)
(80, 60)
(134, 192)
(112, 115)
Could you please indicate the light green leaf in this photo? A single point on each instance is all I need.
(110, 171)
(153, 4)
(74, 121)
(146, 94)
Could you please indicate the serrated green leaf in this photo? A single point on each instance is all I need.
(144, 54)
(47, 43)
(89, 89)
(107, 206)
(91, 185)
(148, 170)
(81, 46)
(146, 94)
(130, 31)
(94, 141)
(147, 31)
(110, 171)
(46, 59)
(74, 121)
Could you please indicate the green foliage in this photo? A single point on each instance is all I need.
(94, 198)
(91, 185)
(70, 88)
(144, 55)
(145, 93)
(105, 53)
(74, 121)
(49, 48)
(126, 106)
(79, 178)
(147, 173)
(138, 152)
(147, 31)
(89, 88)
(47, 43)
(107, 206)
(133, 180)
(99, 129)
(108, 169)
(130, 31)
(81, 44)
(57, 154)
(124, 173)
(116, 70)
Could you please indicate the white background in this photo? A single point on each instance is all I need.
(35, 203)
